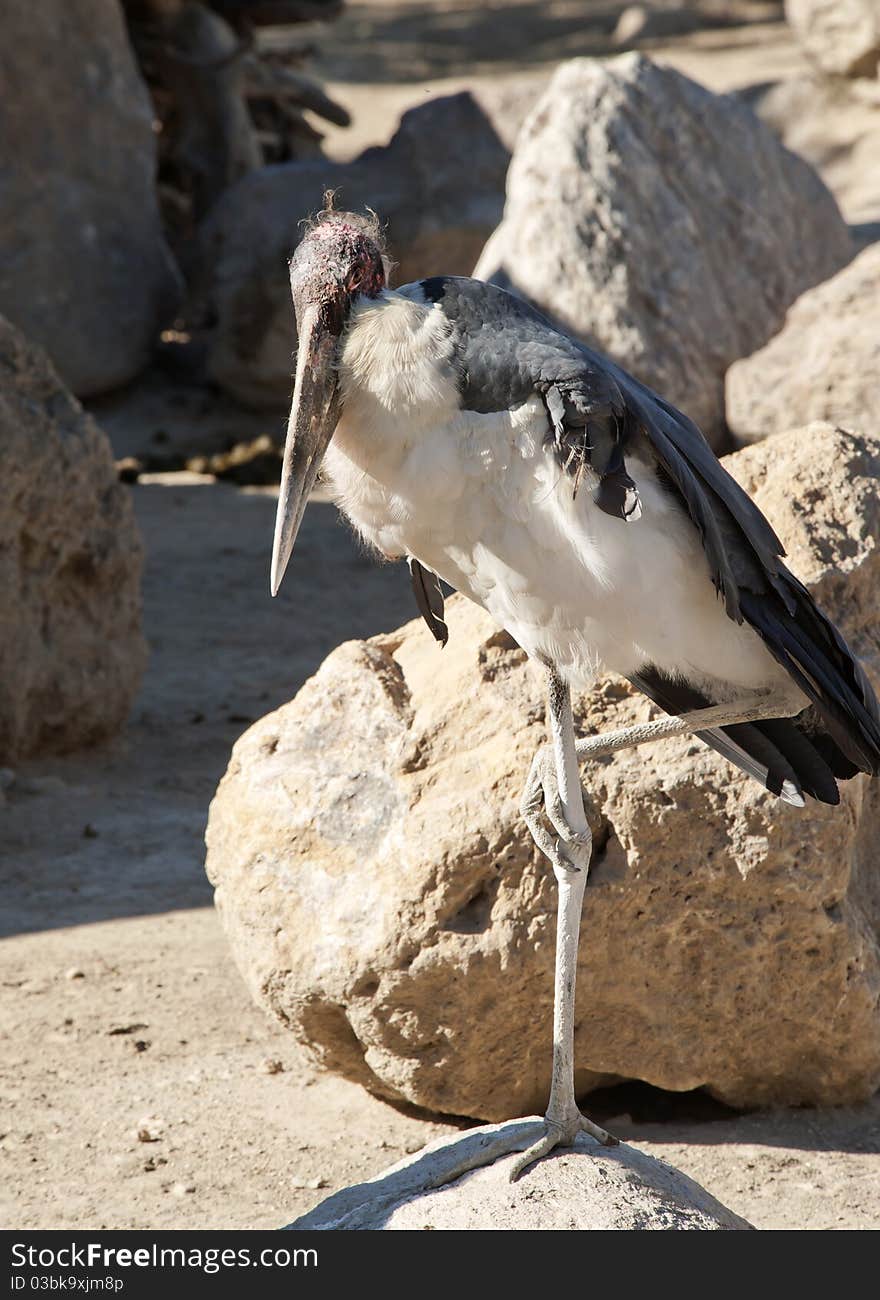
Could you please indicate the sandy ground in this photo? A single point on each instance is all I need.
(138, 1085)
(414, 54)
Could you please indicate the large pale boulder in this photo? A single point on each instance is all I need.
(71, 650)
(85, 270)
(824, 364)
(662, 223)
(383, 898)
(842, 36)
(582, 1188)
(438, 188)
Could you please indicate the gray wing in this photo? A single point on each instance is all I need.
(506, 351)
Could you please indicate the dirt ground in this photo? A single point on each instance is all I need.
(139, 1088)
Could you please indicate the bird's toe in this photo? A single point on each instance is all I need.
(569, 849)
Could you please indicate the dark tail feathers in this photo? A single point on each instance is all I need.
(790, 757)
(845, 722)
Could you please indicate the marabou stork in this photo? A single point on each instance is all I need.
(463, 431)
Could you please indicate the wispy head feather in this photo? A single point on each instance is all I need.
(366, 223)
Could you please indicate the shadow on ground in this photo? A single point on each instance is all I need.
(119, 831)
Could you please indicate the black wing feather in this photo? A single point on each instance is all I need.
(828, 674)
(429, 598)
(815, 774)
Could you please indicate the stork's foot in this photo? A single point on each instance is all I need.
(570, 849)
(560, 1134)
(532, 1139)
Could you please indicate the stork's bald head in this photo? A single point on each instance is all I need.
(340, 256)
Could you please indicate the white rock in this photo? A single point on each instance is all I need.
(583, 1188)
(824, 364)
(842, 36)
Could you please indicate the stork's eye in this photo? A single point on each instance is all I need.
(367, 277)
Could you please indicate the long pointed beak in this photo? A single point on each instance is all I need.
(313, 417)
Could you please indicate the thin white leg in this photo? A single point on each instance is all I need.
(571, 882)
(563, 1119)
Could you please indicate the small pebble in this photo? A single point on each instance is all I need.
(183, 1189)
(150, 1128)
(129, 469)
(413, 1145)
(308, 1184)
(74, 973)
(271, 1066)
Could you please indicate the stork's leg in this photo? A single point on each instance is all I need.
(555, 782)
(553, 787)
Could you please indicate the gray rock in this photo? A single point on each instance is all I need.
(85, 270)
(835, 126)
(582, 1188)
(842, 36)
(71, 650)
(824, 364)
(439, 186)
(663, 223)
(383, 898)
